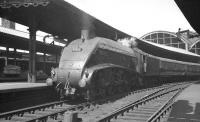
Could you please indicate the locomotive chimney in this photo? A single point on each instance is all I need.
(87, 31)
(85, 34)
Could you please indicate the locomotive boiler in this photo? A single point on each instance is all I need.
(101, 67)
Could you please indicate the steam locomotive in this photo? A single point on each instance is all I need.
(100, 67)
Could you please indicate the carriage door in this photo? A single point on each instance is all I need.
(144, 63)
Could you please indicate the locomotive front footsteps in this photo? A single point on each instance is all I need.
(101, 67)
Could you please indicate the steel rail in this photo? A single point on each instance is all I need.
(19, 112)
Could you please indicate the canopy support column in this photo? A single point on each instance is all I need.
(7, 54)
(32, 51)
(15, 56)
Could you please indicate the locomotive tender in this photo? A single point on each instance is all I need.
(102, 67)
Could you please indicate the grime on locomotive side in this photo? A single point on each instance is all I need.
(100, 67)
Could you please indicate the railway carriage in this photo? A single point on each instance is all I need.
(168, 70)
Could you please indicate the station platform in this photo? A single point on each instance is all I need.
(19, 79)
(187, 105)
(20, 86)
(18, 95)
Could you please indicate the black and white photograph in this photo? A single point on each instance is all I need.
(99, 61)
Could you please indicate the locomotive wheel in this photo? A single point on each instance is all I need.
(110, 81)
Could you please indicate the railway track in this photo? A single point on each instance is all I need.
(152, 108)
(87, 111)
(22, 95)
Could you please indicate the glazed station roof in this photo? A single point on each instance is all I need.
(186, 36)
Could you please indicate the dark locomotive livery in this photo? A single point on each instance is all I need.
(102, 67)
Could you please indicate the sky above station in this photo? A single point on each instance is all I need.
(136, 17)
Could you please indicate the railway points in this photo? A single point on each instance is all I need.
(152, 108)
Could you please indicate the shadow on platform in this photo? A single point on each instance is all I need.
(182, 111)
(198, 82)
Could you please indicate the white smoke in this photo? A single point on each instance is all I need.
(129, 42)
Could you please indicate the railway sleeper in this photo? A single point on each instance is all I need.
(152, 105)
(130, 118)
(149, 107)
(51, 109)
(125, 121)
(42, 112)
(54, 120)
(138, 114)
(58, 118)
(59, 108)
(17, 118)
(7, 121)
(145, 110)
(31, 115)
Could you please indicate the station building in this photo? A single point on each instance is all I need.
(187, 40)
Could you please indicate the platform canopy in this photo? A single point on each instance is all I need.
(56, 17)
(167, 51)
(18, 42)
(191, 10)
